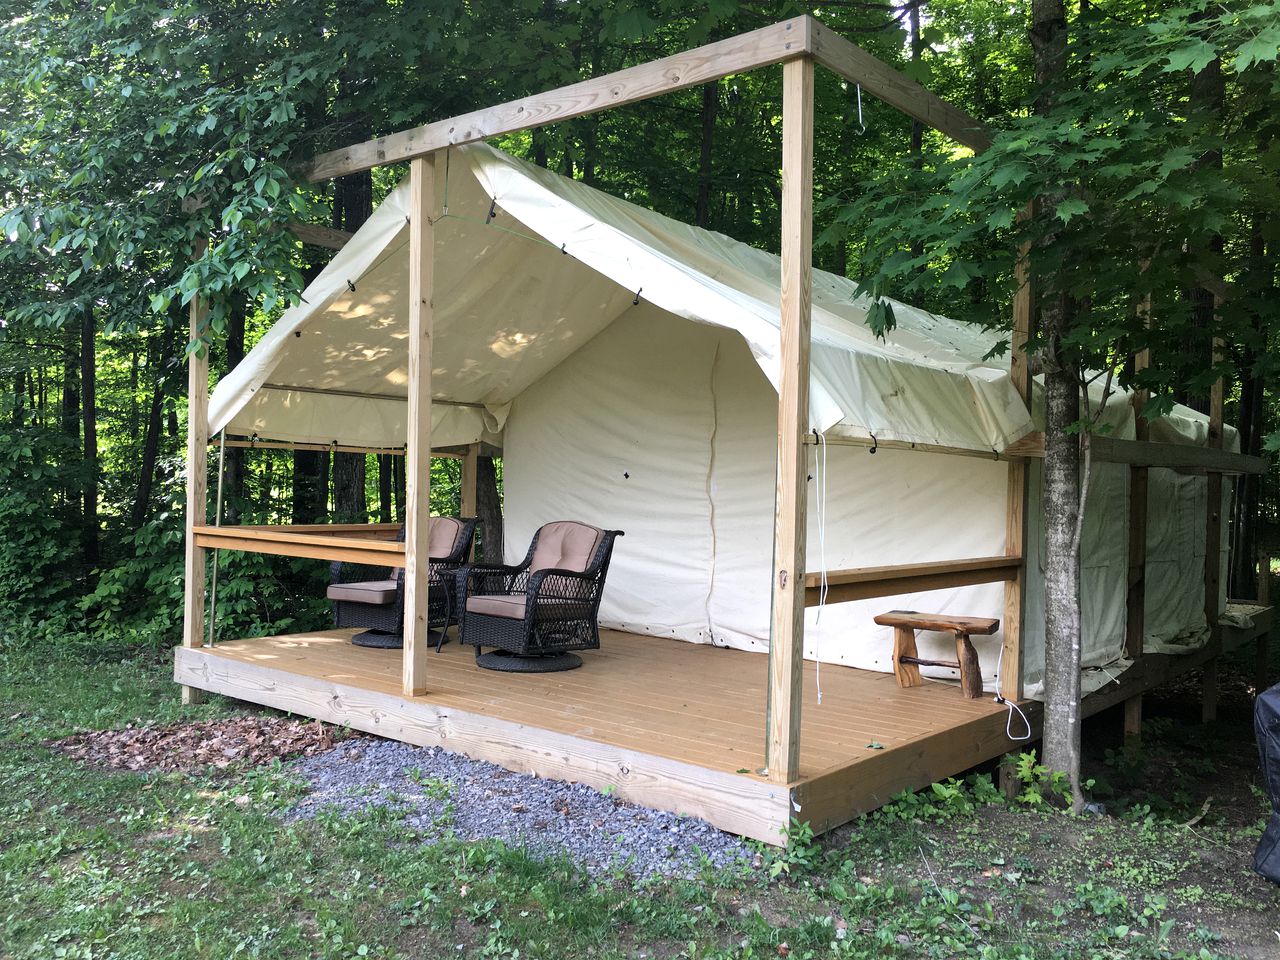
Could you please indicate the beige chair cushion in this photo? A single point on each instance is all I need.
(566, 545)
(498, 606)
(370, 591)
(442, 536)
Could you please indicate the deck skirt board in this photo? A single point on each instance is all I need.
(670, 725)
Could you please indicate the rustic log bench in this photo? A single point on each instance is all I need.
(906, 662)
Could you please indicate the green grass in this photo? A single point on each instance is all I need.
(101, 864)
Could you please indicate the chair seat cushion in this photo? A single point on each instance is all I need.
(369, 591)
(498, 606)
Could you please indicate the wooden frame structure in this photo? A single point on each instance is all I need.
(780, 786)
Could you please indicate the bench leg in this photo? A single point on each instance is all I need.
(904, 645)
(970, 671)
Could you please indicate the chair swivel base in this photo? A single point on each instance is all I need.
(512, 663)
(381, 640)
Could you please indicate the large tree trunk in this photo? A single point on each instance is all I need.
(488, 510)
(89, 536)
(1061, 495)
(385, 506)
(310, 486)
(1251, 424)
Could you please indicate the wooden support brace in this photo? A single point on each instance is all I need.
(1261, 653)
(1213, 551)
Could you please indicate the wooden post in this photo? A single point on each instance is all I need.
(786, 632)
(197, 482)
(1213, 552)
(1261, 670)
(422, 185)
(1015, 532)
(1136, 599)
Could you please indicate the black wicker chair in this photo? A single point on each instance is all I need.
(535, 613)
(373, 597)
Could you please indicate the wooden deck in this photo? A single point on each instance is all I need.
(671, 725)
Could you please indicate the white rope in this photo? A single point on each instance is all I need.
(820, 468)
(1008, 723)
(217, 522)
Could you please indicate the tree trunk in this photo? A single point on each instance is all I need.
(310, 486)
(710, 106)
(917, 128)
(1061, 495)
(397, 477)
(384, 487)
(1251, 424)
(19, 398)
(150, 449)
(488, 510)
(90, 536)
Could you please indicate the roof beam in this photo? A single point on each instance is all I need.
(895, 88)
(748, 51)
(318, 236)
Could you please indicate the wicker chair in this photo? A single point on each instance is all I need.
(373, 597)
(533, 614)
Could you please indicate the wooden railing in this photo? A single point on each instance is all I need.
(863, 583)
(368, 543)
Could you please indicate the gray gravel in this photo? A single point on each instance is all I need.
(446, 793)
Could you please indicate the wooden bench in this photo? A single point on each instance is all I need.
(907, 664)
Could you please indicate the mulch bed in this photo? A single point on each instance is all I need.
(231, 741)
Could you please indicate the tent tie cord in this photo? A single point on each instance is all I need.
(636, 301)
(493, 211)
(862, 125)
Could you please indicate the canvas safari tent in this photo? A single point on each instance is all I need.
(782, 476)
(624, 363)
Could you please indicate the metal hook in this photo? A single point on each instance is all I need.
(636, 301)
(351, 286)
(493, 211)
(875, 444)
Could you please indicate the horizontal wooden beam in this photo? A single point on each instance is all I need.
(895, 88)
(864, 583)
(1148, 453)
(365, 531)
(320, 236)
(315, 546)
(317, 447)
(759, 48)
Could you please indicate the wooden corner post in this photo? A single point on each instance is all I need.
(197, 482)
(1213, 550)
(1015, 532)
(422, 185)
(1135, 630)
(786, 632)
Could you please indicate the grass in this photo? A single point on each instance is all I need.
(99, 864)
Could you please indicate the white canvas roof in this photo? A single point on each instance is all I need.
(557, 263)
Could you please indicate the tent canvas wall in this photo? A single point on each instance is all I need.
(563, 334)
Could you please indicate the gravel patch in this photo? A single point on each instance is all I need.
(447, 793)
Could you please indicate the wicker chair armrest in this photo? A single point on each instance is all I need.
(491, 579)
(553, 583)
